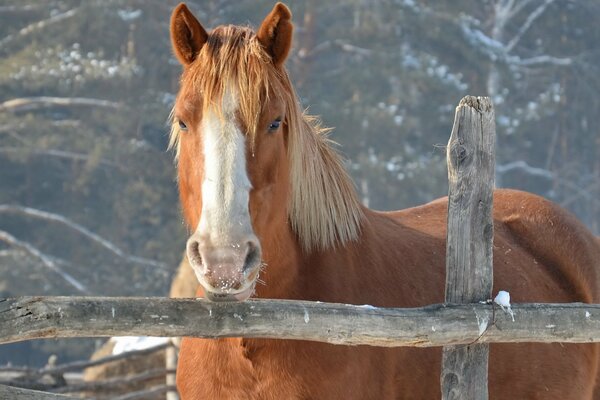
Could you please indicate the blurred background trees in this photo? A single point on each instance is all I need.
(88, 199)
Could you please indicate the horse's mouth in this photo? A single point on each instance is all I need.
(236, 284)
(220, 289)
(229, 296)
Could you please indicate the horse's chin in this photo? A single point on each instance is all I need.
(222, 297)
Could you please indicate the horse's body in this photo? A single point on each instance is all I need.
(284, 205)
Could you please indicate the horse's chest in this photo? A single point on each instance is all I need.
(232, 369)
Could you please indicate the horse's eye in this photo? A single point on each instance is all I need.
(182, 125)
(275, 125)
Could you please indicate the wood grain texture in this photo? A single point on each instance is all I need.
(469, 274)
(28, 318)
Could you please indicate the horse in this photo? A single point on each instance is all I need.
(273, 214)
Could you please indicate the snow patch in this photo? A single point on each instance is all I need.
(503, 300)
(368, 306)
(129, 15)
(124, 344)
(482, 322)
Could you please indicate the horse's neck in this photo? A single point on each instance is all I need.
(281, 275)
(291, 273)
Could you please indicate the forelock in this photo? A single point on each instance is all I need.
(234, 57)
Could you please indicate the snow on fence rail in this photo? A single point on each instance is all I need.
(464, 329)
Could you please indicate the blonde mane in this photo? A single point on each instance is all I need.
(324, 210)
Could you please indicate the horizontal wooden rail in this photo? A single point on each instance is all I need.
(436, 325)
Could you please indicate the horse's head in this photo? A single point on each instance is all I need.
(230, 129)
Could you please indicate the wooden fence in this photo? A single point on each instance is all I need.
(66, 378)
(464, 325)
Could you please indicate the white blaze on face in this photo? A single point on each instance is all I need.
(225, 219)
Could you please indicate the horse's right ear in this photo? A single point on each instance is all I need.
(275, 33)
(187, 35)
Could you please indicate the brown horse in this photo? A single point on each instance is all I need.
(265, 193)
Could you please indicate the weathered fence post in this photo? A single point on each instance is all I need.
(470, 157)
(171, 354)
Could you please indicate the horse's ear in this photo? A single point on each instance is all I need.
(275, 33)
(187, 35)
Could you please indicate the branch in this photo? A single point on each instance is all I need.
(39, 25)
(7, 392)
(11, 127)
(26, 7)
(544, 173)
(502, 10)
(328, 44)
(34, 103)
(543, 59)
(142, 394)
(518, 7)
(528, 22)
(497, 51)
(522, 165)
(584, 192)
(114, 383)
(435, 325)
(46, 260)
(352, 48)
(32, 212)
(90, 386)
(69, 155)
(33, 373)
(10, 130)
(10, 253)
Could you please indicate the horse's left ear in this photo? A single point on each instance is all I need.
(275, 33)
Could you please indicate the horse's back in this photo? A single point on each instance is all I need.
(548, 240)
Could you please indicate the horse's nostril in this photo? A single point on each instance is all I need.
(252, 257)
(193, 253)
